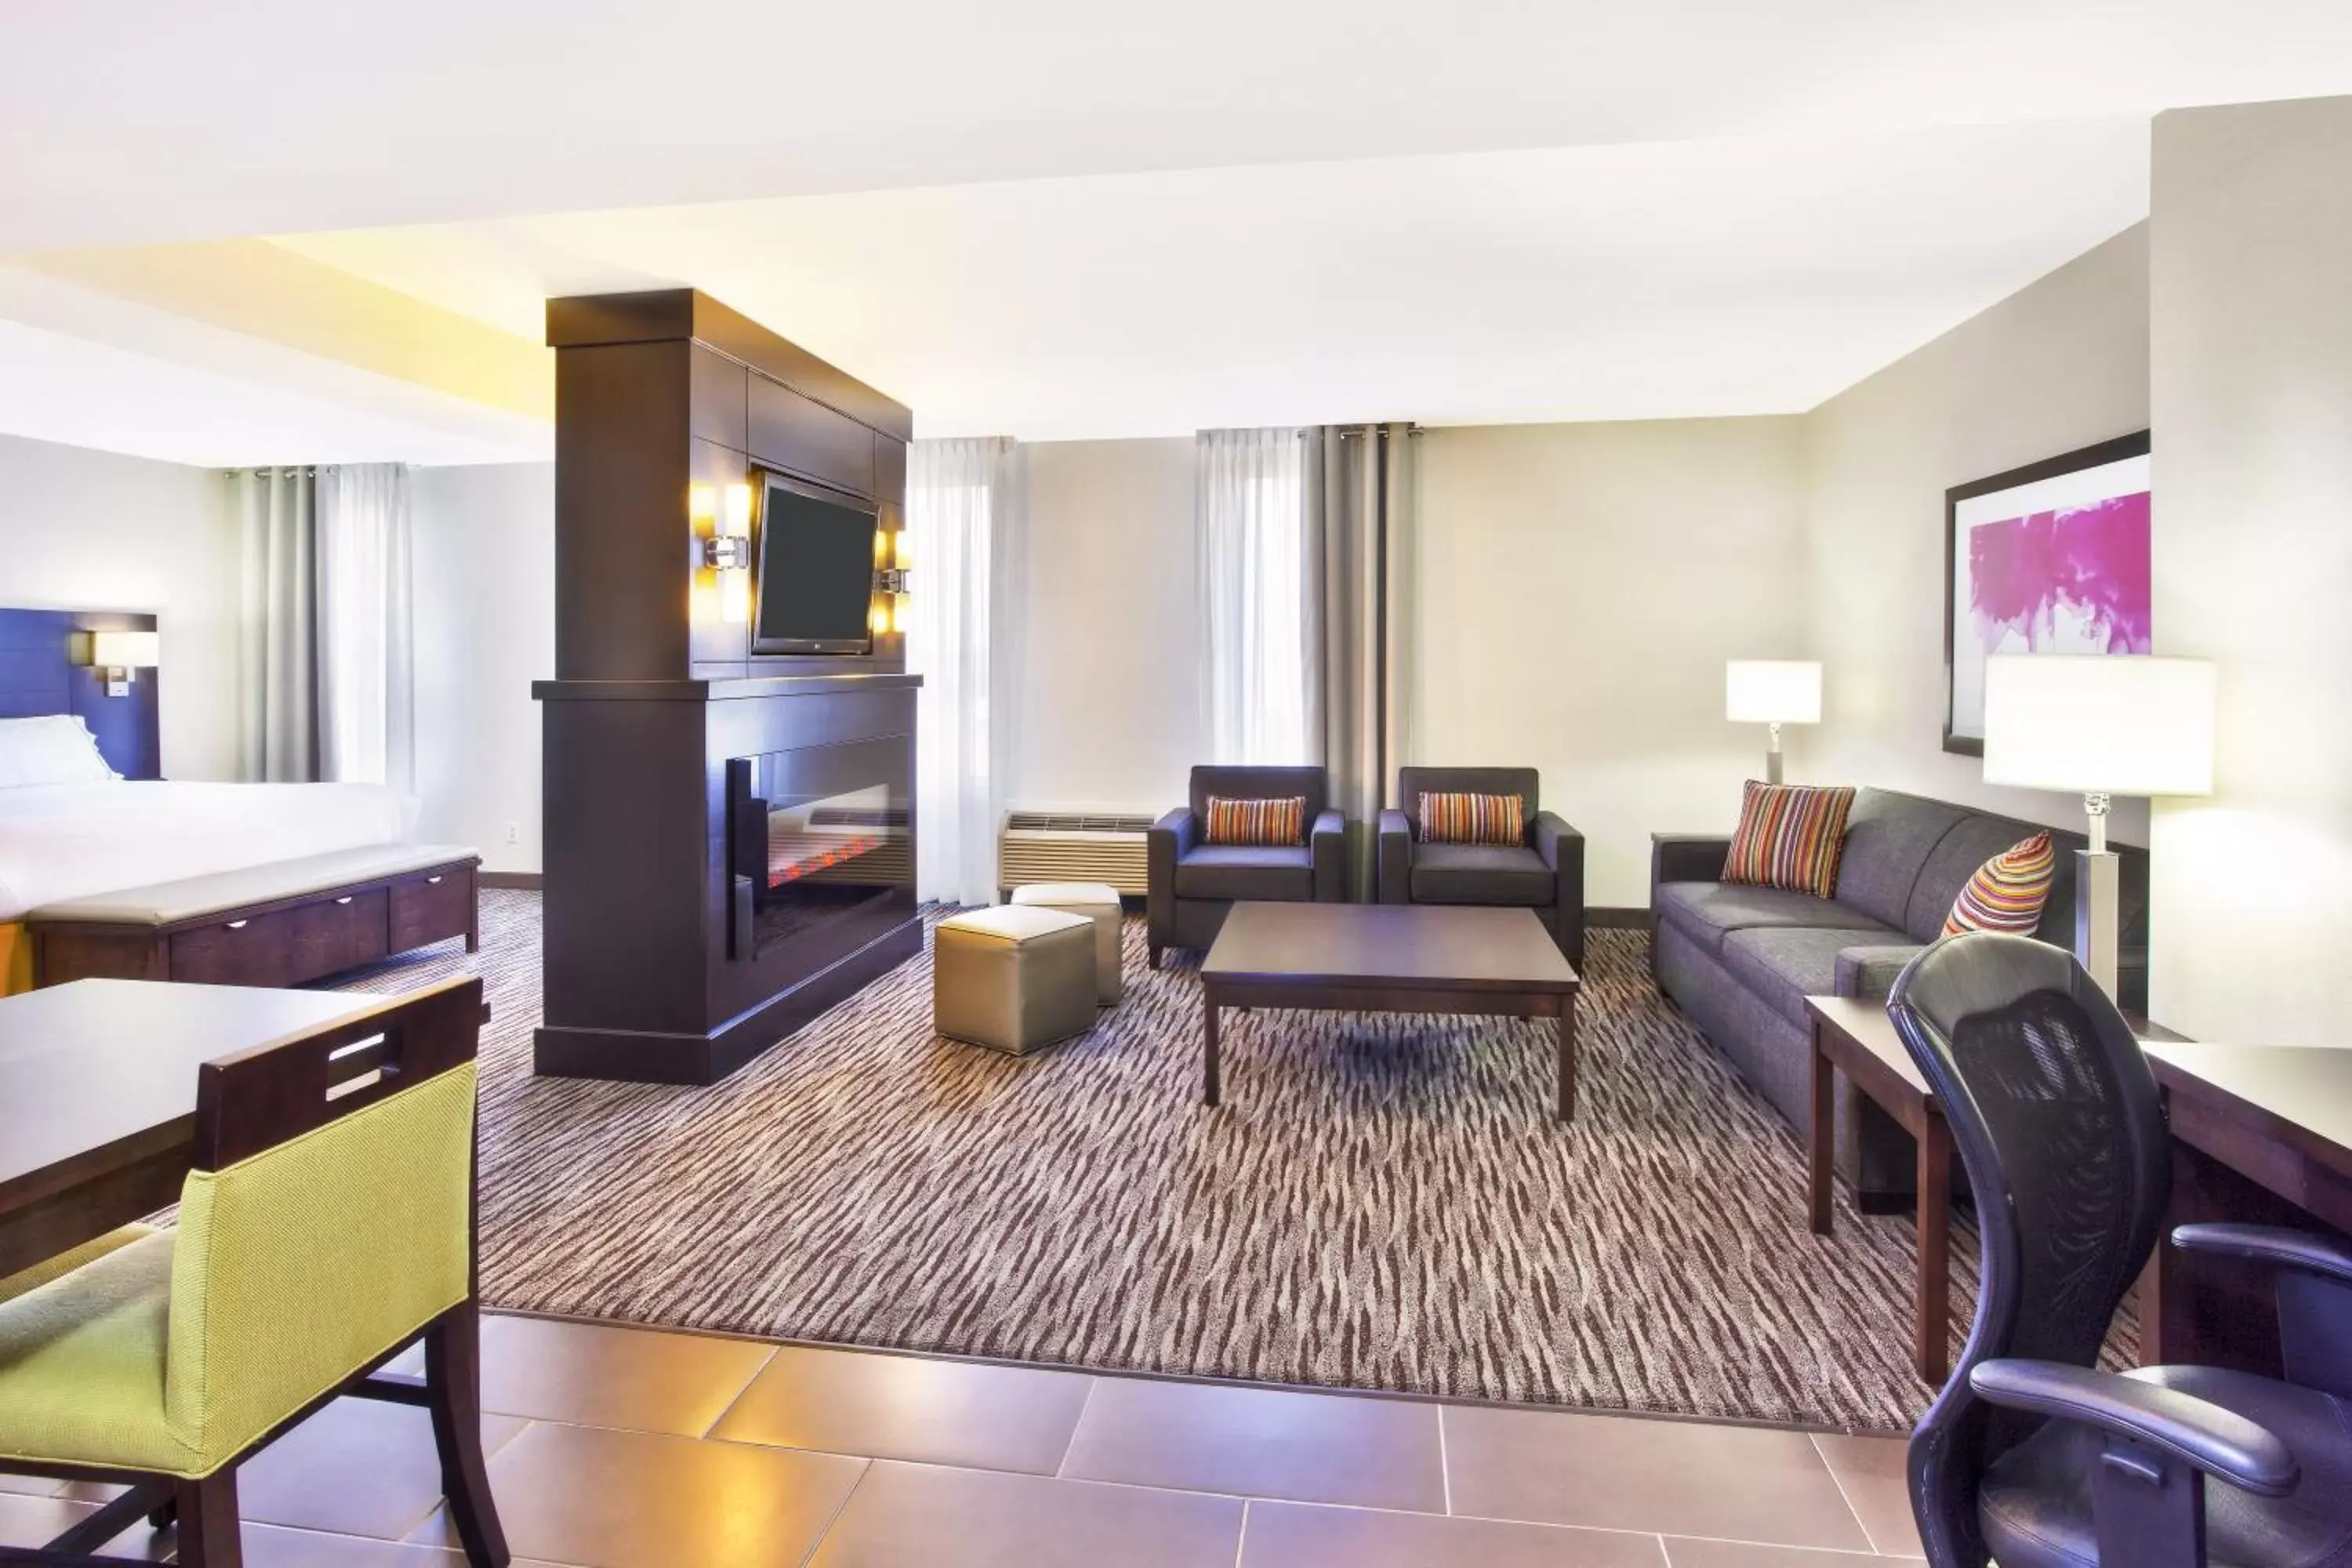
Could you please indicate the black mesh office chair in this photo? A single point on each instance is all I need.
(2029, 1456)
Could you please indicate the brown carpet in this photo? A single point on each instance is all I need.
(1382, 1203)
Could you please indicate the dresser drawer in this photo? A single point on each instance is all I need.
(284, 946)
(432, 908)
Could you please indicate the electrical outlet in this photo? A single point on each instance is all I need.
(514, 832)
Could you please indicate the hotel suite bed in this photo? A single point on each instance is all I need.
(66, 840)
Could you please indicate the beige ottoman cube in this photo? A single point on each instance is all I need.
(1098, 901)
(1012, 978)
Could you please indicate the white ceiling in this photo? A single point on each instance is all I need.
(1680, 279)
(157, 120)
(1063, 217)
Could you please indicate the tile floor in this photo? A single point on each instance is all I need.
(614, 1448)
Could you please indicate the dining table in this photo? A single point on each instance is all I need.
(98, 1096)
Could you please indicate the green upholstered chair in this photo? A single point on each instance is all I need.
(328, 1226)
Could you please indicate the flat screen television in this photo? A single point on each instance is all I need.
(814, 587)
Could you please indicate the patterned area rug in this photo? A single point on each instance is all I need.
(1382, 1203)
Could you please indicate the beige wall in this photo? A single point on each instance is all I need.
(483, 559)
(95, 531)
(2252, 327)
(1578, 590)
(1108, 707)
(2059, 364)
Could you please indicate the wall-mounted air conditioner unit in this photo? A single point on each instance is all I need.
(1046, 846)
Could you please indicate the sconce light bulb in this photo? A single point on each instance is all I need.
(702, 503)
(738, 509)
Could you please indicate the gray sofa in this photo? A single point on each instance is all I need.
(1188, 885)
(1741, 959)
(1543, 872)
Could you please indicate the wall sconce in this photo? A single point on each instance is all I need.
(122, 655)
(728, 548)
(892, 576)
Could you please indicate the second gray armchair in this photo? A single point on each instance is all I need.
(1543, 872)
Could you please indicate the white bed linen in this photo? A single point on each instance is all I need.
(62, 841)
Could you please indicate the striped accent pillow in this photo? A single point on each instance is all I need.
(1257, 821)
(1789, 836)
(1472, 818)
(2008, 891)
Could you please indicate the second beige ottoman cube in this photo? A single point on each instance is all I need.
(1098, 901)
(1012, 978)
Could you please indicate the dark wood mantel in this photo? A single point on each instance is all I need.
(658, 699)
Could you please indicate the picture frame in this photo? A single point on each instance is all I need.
(2051, 558)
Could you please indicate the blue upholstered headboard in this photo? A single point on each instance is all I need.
(37, 675)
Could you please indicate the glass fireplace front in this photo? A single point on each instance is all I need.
(817, 833)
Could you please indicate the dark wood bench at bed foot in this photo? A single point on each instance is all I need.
(279, 923)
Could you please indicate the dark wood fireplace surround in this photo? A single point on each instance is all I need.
(649, 975)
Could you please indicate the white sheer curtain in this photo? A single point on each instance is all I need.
(963, 517)
(1251, 516)
(366, 655)
(277, 645)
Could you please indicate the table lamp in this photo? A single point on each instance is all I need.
(2100, 725)
(1774, 691)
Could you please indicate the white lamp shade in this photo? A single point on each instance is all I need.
(2116, 724)
(125, 650)
(1772, 691)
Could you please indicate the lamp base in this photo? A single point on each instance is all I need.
(1772, 757)
(2096, 881)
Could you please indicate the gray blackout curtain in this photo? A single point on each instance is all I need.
(277, 526)
(325, 644)
(1359, 488)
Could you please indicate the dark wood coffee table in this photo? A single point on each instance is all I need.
(1389, 958)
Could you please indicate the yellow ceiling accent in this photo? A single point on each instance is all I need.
(268, 291)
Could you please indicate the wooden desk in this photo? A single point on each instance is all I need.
(98, 1096)
(1857, 1038)
(2260, 1134)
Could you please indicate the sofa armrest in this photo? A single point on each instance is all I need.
(1173, 835)
(2177, 1428)
(1394, 873)
(1868, 972)
(1165, 842)
(1561, 847)
(1687, 858)
(1327, 840)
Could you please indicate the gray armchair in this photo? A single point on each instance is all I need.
(1543, 872)
(1189, 883)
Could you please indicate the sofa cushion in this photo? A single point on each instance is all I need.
(1870, 971)
(1888, 837)
(1789, 836)
(1277, 821)
(1704, 911)
(1972, 841)
(2008, 891)
(1465, 818)
(1268, 872)
(1243, 782)
(1480, 874)
(1785, 964)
